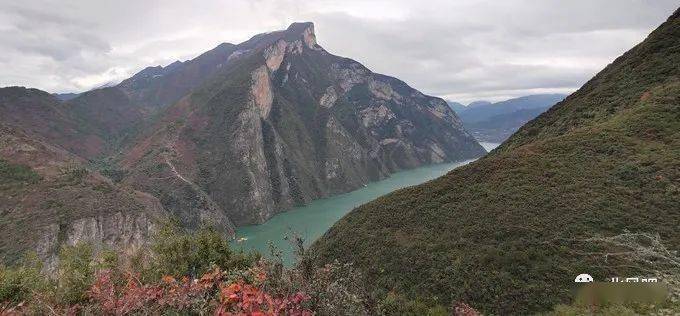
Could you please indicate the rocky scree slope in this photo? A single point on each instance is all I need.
(590, 186)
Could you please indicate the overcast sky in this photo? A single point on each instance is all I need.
(461, 50)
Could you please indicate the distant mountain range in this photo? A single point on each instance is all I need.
(495, 122)
(590, 186)
(228, 138)
(65, 96)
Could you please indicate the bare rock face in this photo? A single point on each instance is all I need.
(262, 91)
(121, 231)
(274, 54)
(329, 97)
(310, 38)
(286, 122)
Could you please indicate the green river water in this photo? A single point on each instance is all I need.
(313, 220)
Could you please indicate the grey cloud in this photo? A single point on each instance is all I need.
(467, 49)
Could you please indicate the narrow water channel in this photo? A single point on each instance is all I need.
(312, 220)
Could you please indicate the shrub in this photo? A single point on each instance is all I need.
(213, 292)
(19, 283)
(76, 273)
(228, 284)
(396, 304)
(178, 253)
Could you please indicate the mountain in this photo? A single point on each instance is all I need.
(228, 138)
(42, 115)
(485, 111)
(158, 87)
(282, 122)
(477, 104)
(495, 122)
(498, 128)
(590, 186)
(456, 107)
(65, 96)
(88, 126)
(108, 113)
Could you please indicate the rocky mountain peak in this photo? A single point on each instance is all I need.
(306, 30)
(300, 27)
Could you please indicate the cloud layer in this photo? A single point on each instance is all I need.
(460, 50)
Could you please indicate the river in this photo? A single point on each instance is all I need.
(314, 219)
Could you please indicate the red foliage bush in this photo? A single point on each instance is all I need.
(209, 293)
(247, 299)
(462, 309)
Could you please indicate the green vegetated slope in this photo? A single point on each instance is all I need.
(508, 233)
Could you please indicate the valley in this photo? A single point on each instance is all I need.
(314, 219)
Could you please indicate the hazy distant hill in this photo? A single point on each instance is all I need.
(477, 104)
(590, 186)
(65, 96)
(495, 122)
(456, 107)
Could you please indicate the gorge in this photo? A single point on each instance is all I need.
(229, 138)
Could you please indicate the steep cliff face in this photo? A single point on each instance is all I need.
(48, 197)
(283, 122)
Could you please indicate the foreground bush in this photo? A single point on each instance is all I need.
(196, 273)
(181, 273)
(212, 293)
